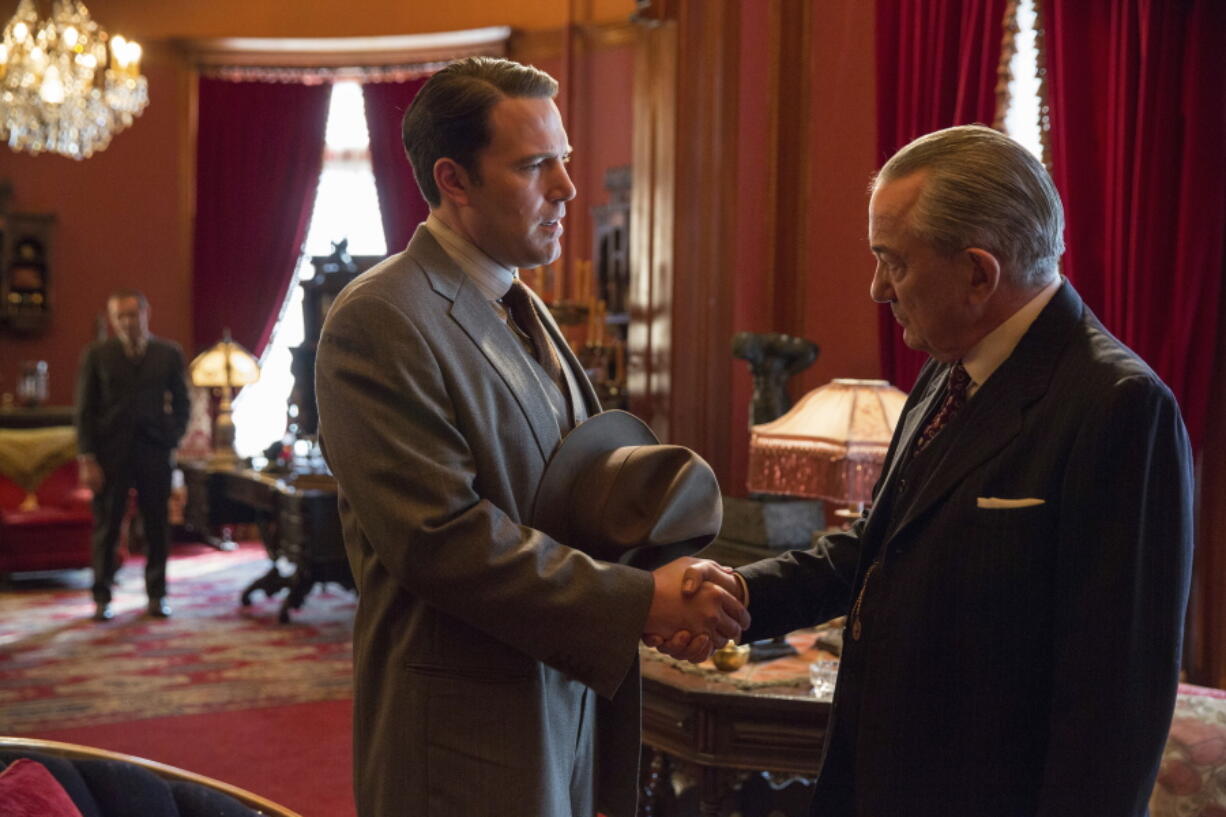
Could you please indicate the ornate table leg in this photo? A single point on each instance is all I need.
(272, 583)
(654, 778)
(710, 791)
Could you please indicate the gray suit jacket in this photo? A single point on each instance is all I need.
(475, 634)
(1013, 661)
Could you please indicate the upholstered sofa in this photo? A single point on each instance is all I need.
(43, 778)
(45, 517)
(1192, 778)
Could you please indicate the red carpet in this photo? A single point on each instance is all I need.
(218, 689)
(297, 755)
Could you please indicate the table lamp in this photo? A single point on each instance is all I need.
(830, 445)
(223, 366)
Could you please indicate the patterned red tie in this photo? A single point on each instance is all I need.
(955, 397)
(518, 301)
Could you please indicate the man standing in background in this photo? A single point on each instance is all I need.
(131, 410)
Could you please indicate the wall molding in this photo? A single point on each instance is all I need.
(340, 52)
(551, 44)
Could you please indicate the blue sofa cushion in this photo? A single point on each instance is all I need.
(113, 788)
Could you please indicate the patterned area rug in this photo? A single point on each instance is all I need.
(59, 669)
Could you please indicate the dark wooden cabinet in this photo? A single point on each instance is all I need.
(36, 416)
(25, 271)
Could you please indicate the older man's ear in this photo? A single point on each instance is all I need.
(984, 274)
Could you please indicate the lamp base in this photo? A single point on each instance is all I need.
(221, 460)
(771, 523)
(224, 456)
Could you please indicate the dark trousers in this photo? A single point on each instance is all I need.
(148, 470)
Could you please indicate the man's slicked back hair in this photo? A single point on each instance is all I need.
(449, 117)
(984, 190)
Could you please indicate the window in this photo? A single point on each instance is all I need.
(1023, 115)
(346, 206)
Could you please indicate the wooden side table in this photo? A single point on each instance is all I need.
(724, 731)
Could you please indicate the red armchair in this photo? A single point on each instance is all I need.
(48, 527)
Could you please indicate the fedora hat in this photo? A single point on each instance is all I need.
(612, 490)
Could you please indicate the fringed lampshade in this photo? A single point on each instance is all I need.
(830, 445)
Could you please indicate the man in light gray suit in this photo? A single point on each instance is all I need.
(443, 388)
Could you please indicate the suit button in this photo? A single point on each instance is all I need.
(902, 484)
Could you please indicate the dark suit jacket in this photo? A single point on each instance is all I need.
(120, 401)
(475, 634)
(1013, 660)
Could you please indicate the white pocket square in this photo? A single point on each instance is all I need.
(997, 502)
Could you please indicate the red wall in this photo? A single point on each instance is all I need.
(752, 307)
(122, 219)
(837, 312)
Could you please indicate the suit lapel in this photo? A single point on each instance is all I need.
(927, 389)
(490, 335)
(995, 415)
(905, 439)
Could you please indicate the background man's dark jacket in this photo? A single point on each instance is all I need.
(121, 401)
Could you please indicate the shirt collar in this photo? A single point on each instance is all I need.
(133, 350)
(492, 278)
(986, 356)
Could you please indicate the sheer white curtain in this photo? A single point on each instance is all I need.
(1022, 119)
(346, 206)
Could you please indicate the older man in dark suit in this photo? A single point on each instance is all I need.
(444, 386)
(1015, 597)
(132, 409)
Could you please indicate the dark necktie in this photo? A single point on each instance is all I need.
(955, 397)
(518, 301)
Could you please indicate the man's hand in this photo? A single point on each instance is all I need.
(705, 570)
(691, 617)
(89, 472)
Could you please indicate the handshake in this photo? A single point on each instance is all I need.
(696, 607)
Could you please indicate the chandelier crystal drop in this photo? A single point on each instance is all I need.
(66, 86)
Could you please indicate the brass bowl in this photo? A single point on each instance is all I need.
(730, 657)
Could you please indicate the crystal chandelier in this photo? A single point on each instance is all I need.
(65, 85)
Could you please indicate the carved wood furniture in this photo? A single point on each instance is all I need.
(35, 416)
(298, 521)
(332, 273)
(25, 271)
(724, 733)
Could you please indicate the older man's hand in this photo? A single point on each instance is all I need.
(695, 610)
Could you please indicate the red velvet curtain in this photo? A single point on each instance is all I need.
(1137, 92)
(259, 153)
(400, 202)
(937, 63)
